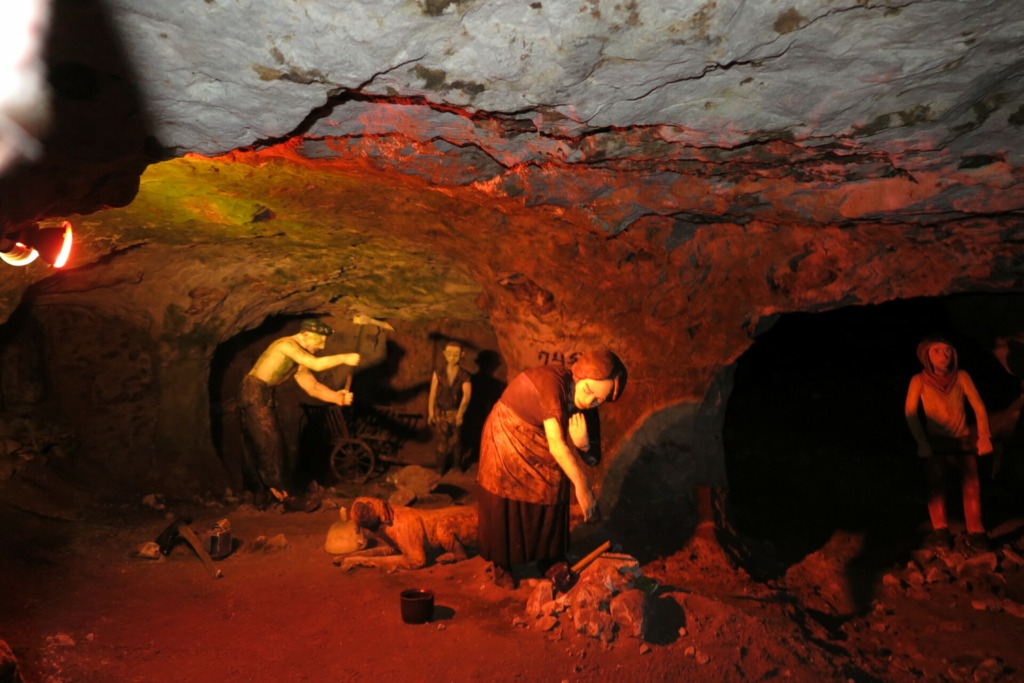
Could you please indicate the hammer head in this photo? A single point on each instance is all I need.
(562, 576)
(363, 319)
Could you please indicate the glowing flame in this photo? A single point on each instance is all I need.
(19, 255)
(52, 244)
(65, 247)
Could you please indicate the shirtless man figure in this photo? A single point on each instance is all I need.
(942, 389)
(264, 443)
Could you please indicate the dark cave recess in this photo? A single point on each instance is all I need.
(814, 434)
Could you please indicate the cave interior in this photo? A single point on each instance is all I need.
(763, 256)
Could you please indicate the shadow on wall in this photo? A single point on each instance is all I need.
(487, 389)
(486, 385)
(648, 490)
(99, 133)
(375, 384)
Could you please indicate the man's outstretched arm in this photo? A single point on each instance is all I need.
(311, 386)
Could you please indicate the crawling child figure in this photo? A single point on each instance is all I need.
(940, 389)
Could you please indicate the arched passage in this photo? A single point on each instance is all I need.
(395, 373)
(815, 439)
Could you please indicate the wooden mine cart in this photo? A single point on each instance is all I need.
(362, 440)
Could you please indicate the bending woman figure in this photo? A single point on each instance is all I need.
(527, 464)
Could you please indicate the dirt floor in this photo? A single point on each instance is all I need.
(77, 606)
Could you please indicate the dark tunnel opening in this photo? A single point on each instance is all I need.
(390, 388)
(816, 441)
(231, 360)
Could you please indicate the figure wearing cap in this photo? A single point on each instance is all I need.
(293, 356)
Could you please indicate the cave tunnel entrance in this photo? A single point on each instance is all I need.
(231, 361)
(392, 382)
(814, 435)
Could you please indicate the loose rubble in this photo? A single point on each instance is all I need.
(610, 599)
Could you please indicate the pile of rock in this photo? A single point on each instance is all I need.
(611, 597)
(412, 483)
(982, 575)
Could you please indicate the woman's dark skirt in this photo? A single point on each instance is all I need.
(514, 532)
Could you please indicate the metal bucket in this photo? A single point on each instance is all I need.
(417, 605)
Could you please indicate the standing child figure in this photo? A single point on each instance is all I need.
(450, 391)
(941, 389)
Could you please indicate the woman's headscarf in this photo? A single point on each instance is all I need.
(601, 365)
(941, 382)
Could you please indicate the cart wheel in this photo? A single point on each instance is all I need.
(353, 461)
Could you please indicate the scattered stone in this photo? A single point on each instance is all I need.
(645, 648)
(594, 623)
(923, 556)
(1013, 608)
(263, 544)
(278, 542)
(915, 578)
(419, 480)
(147, 551)
(617, 572)
(545, 623)
(988, 670)
(683, 632)
(402, 497)
(953, 560)
(985, 562)
(974, 668)
(987, 604)
(891, 580)
(1012, 560)
(60, 640)
(936, 574)
(552, 607)
(588, 595)
(519, 622)
(543, 593)
(629, 610)
(155, 501)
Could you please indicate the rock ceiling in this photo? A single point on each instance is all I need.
(663, 176)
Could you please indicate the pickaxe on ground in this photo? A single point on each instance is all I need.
(178, 529)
